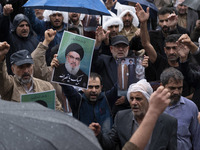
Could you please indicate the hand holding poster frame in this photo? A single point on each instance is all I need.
(75, 57)
(46, 98)
(130, 70)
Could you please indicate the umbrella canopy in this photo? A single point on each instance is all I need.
(25, 126)
(92, 7)
(194, 4)
(145, 3)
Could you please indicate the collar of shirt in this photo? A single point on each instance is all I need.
(30, 90)
(180, 102)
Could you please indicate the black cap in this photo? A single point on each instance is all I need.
(119, 39)
(76, 48)
(21, 57)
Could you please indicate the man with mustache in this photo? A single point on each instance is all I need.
(127, 121)
(74, 20)
(70, 71)
(183, 109)
(168, 23)
(23, 82)
(56, 20)
(158, 62)
(21, 35)
(91, 104)
(130, 21)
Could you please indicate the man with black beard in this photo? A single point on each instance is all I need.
(183, 109)
(56, 20)
(74, 20)
(12, 87)
(91, 104)
(70, 72)
(168, 23)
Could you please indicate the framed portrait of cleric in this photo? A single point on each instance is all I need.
(75, 57)
(130, 70)
(47, 98)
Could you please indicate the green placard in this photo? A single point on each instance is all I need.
(46, 98)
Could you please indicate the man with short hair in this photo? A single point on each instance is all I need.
(112, 26)
(74, 19)
(159, 63)
(23, 82)
(168, 23)
(183, 109)
(92, 105)
(70, 71)
(127, 121)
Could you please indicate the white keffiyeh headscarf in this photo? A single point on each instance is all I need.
(141, 86)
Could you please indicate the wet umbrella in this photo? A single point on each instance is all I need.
(194, 4)
(145, 3)
(25, 126)
(92, 7)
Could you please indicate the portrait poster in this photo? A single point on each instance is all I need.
(46, 98)
(75, 58)
(130, 70)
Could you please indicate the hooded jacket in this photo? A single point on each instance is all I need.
(16, 42)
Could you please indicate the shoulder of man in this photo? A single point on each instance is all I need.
(167, 119)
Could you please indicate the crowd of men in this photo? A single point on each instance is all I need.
(165, 116)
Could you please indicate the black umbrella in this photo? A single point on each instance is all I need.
(27, 126)
(194, 4)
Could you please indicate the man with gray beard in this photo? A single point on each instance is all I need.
(12, 87)
(70, 72)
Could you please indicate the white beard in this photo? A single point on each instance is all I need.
(24, 81)
(71, 70)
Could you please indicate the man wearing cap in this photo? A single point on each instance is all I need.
(12, 87)
(21, 35)
(70, 71)
(106, 65)
(127, 121)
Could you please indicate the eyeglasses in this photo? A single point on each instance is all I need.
(91, 86)
(168, 48)
(72, 57)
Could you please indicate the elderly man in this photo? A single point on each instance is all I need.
(21, 35)
(23, 82)
(183, 109)
(127, 121)
(70, 71)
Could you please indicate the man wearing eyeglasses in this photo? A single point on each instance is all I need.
(70, 71)
(92, 105)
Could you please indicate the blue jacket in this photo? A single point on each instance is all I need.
(40, 26)
(87, 111)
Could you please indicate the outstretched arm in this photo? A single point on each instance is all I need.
(145, 39)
